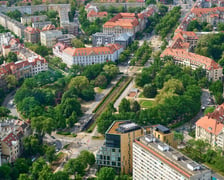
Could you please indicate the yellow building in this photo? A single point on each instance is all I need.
(164, 134)
(117, 151)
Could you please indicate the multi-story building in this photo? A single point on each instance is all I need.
(93, 15)
(65, 39)
(117, 150)
(91, 55)
(101, 39)
(71, 28)
(11, 134)
(124, 39)
(31, 19)
(210, 128)
(125, 22)
(12, 25)
(182, 57)
(5, 39)
(153, 159)
(49, 38)
(32, 35)
(40, 25)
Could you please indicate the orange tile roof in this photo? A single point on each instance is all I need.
(32, 30)
(93, 13)
(180, 54)
(200, 11)
(213, 122)
(125, 20)
(109, 49)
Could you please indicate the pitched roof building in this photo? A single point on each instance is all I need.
(210, 128)
(182, 57)
(32, 35)
(93, 15)
(91, 55)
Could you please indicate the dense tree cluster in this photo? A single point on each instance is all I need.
(142, 54)
(198, 26)
(14, 15)
(211, 45)
(202, 152)
(39, 49)
(126, 54)
(217, 90)
(168, 22)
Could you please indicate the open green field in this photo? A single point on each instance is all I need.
(146, 103)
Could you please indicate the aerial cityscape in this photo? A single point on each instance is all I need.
(111, 90)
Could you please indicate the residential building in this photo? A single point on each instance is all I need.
(91, 55)
(153, 159)
(182, 57)
(125, 22)
(117, 150)
(49, 38)
(58, 49)
(12, 25)
(32, 35)
(5, 39)
(210, 128)
(40, 25)
(30, 19)
(65, 39)
(49, 27)
(184, 40)
(164, 135)
(71, 28)
(11, 46)
(12, 132)
(93, 15)
(101, 39)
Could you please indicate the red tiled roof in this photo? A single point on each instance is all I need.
(200, 11)
(125, 20)
(48, 27)
(93, 13)
(109, 49)
(180, 54)
(8, 139)
(213, 122)
(3, 2)
(32, 30)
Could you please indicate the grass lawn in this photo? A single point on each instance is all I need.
(141, 95)
(214, 168)
(99, 90)
(146, 103)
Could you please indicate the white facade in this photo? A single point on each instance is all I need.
(160, 164)
(49, 38)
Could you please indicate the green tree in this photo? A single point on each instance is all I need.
(209, 110)
(69, 105)
(106, 173)
(4, 112)
(104, 121)
(22, 165)
(50, 153)
(24, 177)
(11, 81)
(60, 175)
(124, 106)
(77, 43)
(74, 166)
(135, 106)
(5, 172)
(12, 57)
(87, 158)
(71, 120)
(111, 69)
(101, 81)
(150, 90)
(37, 167)
(79, 82)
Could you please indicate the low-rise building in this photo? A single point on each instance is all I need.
(32, 35)
(91, 55)
(93, 15)
(210, 128)
(49, 38)
(30, 19)
(117, 150)
(182, 57)
(153, 159)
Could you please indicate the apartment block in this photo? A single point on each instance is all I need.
(12, 132)
(65, 39)
(117, 150)
(91, 55)
(30, 19)
(184, 58)
(153, 159)
(40, 25)
(93, 15)
(210, 128)
(12, 25)
(32, 35)
(101, 39)
(49, 38)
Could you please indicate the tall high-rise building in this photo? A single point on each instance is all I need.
(153, 159)
(117, 150)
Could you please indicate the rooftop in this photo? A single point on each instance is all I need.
(171, 156)
(120, 127)
(162, 129)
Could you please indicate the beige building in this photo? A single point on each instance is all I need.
(30, 19)
(153, 159)
(117, 151)
(49, 38)
(210, 128)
